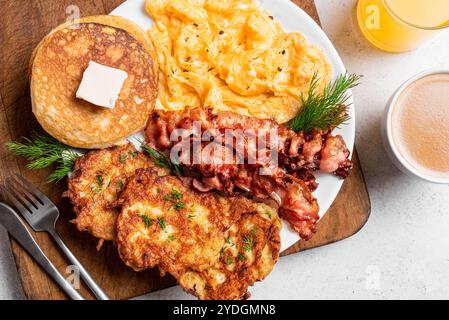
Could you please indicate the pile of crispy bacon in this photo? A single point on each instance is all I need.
(284, 176)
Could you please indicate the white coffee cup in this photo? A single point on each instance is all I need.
(401, 161)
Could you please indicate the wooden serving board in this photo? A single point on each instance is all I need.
(24, 23)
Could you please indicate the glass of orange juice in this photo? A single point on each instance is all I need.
(401, 25)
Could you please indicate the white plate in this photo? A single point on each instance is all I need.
(293, 19)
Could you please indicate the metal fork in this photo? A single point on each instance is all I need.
(41, 213)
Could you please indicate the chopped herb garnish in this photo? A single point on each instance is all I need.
(190, 217)
(229, 260)
(99, 179)
(174, 197)
(147, 221)
(248, 242)
(228, 244)
(179, 206)
(171, 238)
(120, 184)
(122, 158)
(241, 257)
(176, 194)
(268, 214)
(161, 222)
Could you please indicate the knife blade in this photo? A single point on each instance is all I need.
(17, 228)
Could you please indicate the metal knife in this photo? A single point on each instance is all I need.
(17, 228)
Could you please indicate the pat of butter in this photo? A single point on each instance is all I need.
(101, 85)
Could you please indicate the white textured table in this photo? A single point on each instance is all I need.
(403, 251)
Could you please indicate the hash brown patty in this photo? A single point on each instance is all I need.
(93, 188)
(166, 224)
(249, 254)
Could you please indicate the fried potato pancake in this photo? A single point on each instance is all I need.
(97, 180)
(249, 254)
(166, 224)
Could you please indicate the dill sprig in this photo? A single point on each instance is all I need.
(326, 110)
(64, 167)
(43, 151)
(161, 160)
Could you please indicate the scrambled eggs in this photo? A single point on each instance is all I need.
(232, 56)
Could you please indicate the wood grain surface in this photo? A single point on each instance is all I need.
(24, 23)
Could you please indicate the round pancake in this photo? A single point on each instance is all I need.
(164, 223)
(250, 252)
(58, 65)
(107, 20)
(97, 180)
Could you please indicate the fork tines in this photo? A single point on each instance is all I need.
(25, 197)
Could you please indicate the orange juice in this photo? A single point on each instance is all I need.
(401, 25)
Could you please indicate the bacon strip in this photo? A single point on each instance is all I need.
(289, 181)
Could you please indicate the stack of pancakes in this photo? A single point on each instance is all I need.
(57, 67)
